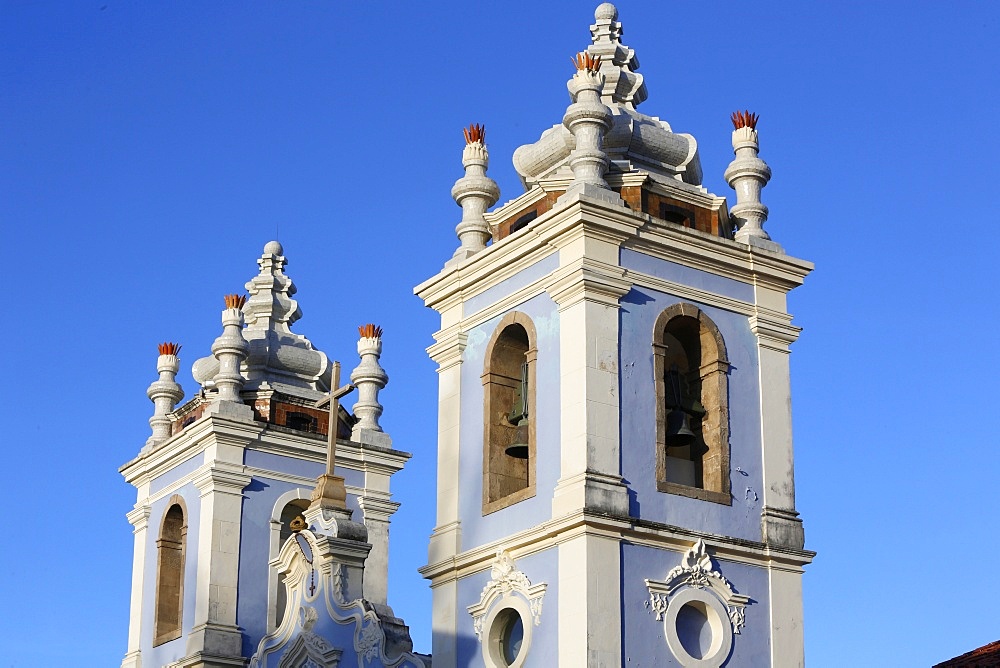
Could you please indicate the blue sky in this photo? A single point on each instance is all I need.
(148, 150)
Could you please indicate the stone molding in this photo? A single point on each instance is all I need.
(697, 570)
(448, 347)
(681, 291)
(375, 508)
(310, 649)
(221, 477)
(721, 257)
(507, 589)
(697, 580)
(324, 576)
(564, 528)
(773, 329)
(139, 517)
(588, 280)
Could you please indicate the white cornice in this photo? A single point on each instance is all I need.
(448, 347)
(588, 280)
(209, 431)
(641, 279)
(553, 532)
(585, 218)
(193, 440)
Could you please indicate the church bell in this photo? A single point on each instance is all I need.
(678, 429)
(519, 418)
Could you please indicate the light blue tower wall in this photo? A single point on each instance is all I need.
(478, 529)
(259, 500)
(638, 313)
(644, 642)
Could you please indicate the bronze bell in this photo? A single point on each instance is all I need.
(678, 429)
(519, 448)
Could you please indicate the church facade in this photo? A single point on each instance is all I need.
(615, 474)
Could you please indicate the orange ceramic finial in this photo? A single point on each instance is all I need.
(585, 61)
(744, 119)
(235, 301)
(169, 348)
(475, 133)
(370, 331)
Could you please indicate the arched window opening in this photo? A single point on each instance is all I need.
(509, 414)
(291, 510)
(692, 411)
(170, 574)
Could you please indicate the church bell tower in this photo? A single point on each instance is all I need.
(615, 477)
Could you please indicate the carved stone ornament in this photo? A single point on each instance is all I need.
(507, 582)
(697, 571)
(310, 650)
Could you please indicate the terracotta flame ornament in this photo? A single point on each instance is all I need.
(475, 133)
(585, 61)
(743, 119)
(370, 331)
(235, 301)
(169, 348)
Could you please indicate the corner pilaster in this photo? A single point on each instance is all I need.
(215, 634)
(139, 519)
(587, 288)
(780, 523)
(377, 513)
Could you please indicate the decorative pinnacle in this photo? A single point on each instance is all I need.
(235, 301)
(744, 119)
(475, 133)
(169, 348)
(370, 331)
(585, 61)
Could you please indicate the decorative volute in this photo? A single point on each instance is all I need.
(747, 174)
(165, 392)
(369, 377)
(277, 356)
(475, 193)
(634, 141)
(230, 349)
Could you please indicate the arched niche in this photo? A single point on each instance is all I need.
(690, 366)
(171, 546)
(511, 351)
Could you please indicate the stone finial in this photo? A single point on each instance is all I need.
(618, 62)
(369, 377)
(231, 349)
(277, 354)
(164, 392)
(747, 174)
(475, 193)
(588, 119)
(270, 305)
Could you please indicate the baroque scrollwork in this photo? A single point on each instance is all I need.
(506, 580)
(697, 570)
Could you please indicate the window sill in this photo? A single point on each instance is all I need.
(509, 500)
(723, 498)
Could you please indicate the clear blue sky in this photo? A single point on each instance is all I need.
(148, 150)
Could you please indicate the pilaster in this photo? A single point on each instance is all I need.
(447, 352)
(215, 633)
(587, 288)
(589, 601)
(780, 524)
(139, 519)
(377, 513)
